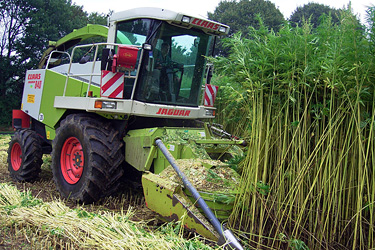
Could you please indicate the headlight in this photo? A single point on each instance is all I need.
(185, 19)
(223, 29)
(105, 105)
(210, 112)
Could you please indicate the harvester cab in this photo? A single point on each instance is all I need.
(135, 100)
(153, 59)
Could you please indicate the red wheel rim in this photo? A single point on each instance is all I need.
(72, 160)
(16, 156)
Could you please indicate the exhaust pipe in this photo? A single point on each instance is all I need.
(227, 238)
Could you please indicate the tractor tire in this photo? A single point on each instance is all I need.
(87, 158)
(25, 155)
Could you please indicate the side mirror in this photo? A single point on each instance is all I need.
(209, 73)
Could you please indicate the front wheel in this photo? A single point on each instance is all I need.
(87, 158)
(25, 155)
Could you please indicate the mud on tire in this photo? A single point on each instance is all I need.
(25, 155)
(87, 158)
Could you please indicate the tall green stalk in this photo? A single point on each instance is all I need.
(305, 99)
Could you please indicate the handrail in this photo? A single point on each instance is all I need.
(55, 51)
(96, 45)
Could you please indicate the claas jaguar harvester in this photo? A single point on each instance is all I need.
(138, 102)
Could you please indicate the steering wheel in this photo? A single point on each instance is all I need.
(175, 67)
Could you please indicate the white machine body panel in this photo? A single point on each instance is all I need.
(32, 92)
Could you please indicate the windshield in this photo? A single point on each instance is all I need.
(133, 32)
(172, 73)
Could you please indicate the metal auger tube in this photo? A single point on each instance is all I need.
(226, 236)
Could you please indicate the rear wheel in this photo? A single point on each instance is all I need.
(87, 158)
(25, 155)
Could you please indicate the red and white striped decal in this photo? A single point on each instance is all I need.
(210, 95)
(112, 84)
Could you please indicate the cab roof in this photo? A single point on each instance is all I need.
(186, 20)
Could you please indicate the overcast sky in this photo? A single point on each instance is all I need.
(201, 7)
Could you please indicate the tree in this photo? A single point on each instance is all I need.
(98, 18)
(313, 11)
(240, 15)
(12, 22)
(46, 24)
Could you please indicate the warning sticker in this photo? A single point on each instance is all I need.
(31, 98)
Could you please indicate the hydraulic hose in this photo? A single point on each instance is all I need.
(226, 236)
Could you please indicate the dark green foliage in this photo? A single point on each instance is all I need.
(371, 24)
(242, 14)
(12, 19)
(47, 24)
(262, 188)
(239, 15)
(313, 13)
(97, 18)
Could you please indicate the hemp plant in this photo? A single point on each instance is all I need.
(304, 99)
